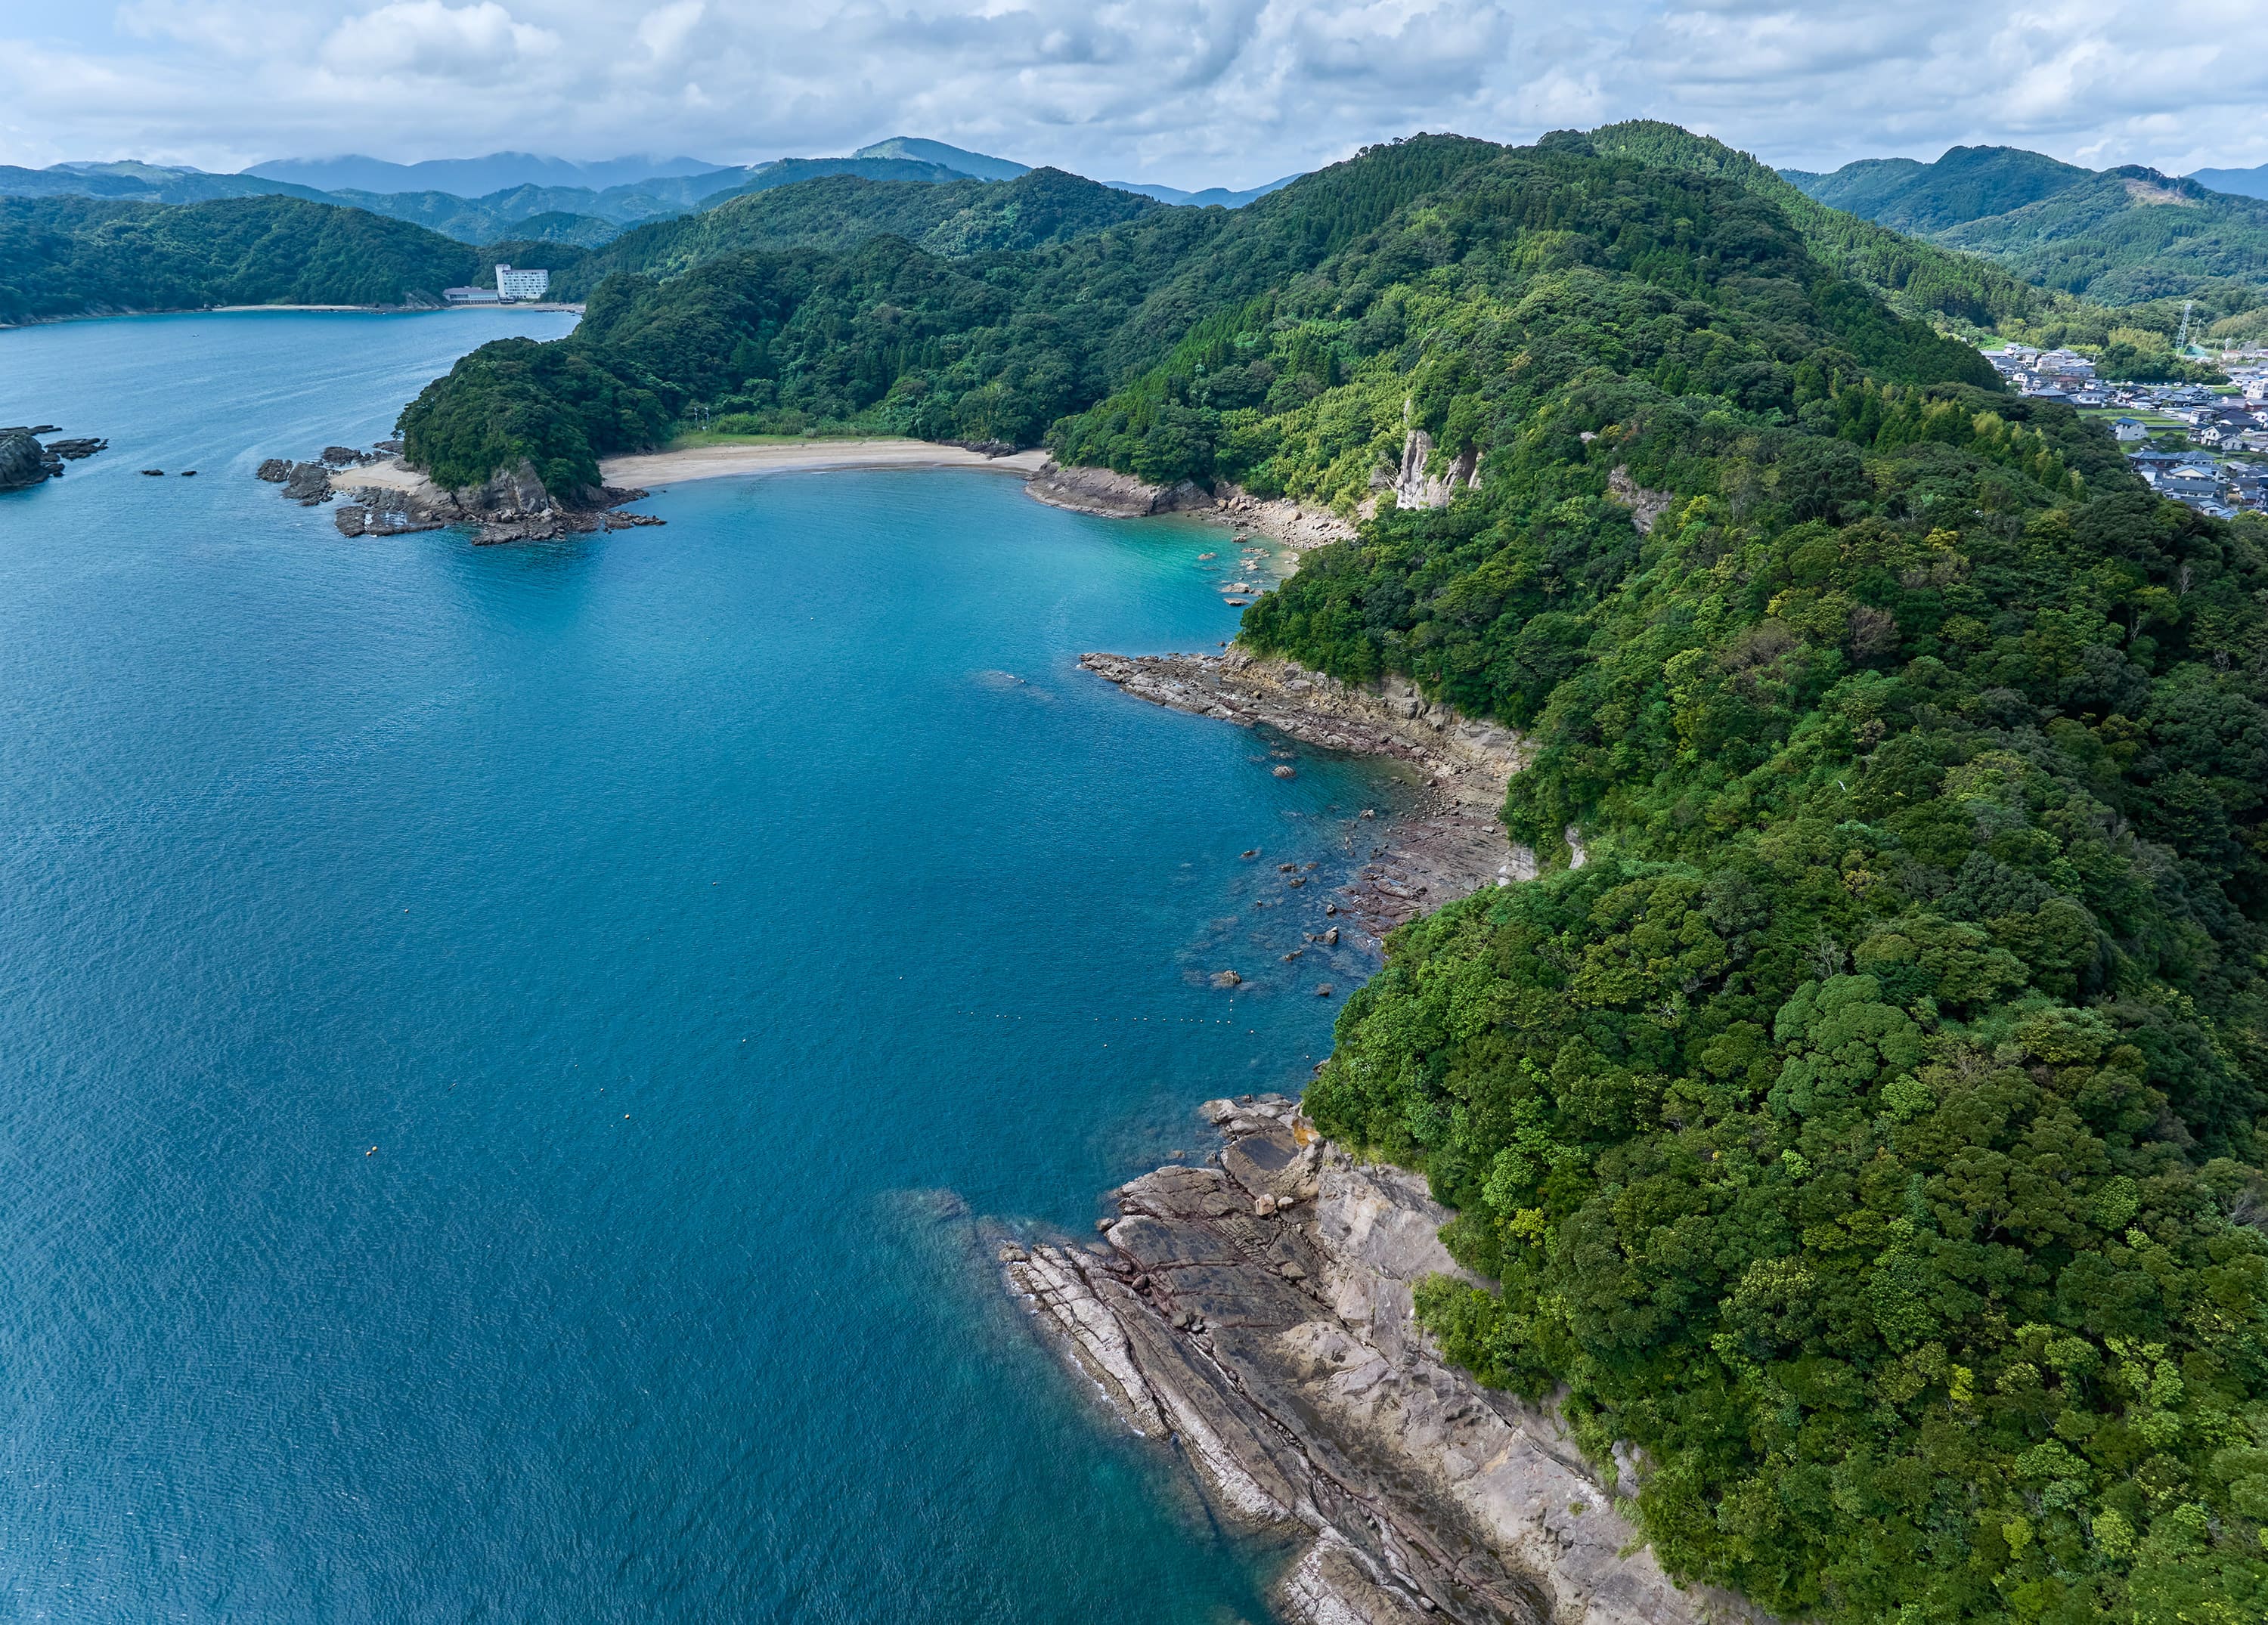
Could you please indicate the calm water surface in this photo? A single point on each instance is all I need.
(486, 1034)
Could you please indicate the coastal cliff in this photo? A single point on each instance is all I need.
(1258, 1313)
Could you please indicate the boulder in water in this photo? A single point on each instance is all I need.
(21, 461)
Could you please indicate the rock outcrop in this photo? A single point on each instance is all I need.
(25, 461)
(1646, 506)
(1116, 495)
(22, 462)
(1414, 487)
(1259, 1313)
(1447, 846)
(1298, 525)
(1473, 761)
(385, 497)
(307, 484)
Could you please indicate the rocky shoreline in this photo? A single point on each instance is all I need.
(1258, 1314)
(384, 497)
(25, 461)
(1447, 846)
(1121, 496)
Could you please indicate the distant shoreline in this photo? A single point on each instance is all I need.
(234, 310)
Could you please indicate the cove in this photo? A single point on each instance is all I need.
(495, 1041)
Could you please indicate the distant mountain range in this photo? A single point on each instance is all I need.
(524, 195)
(976, 165)
(2119, 236)
(474, 177)
(2239, 182)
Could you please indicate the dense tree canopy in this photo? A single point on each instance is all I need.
(72, 256)
(1870, 1131)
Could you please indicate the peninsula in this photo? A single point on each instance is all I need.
(1851, 1140)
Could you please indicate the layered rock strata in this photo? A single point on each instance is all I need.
(1258, 1313)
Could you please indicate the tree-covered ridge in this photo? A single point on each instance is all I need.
(2126, 236)
(1463, 313)
(1870, 1132)
(1968, 183)
(2116, 236)
(69, 256)
(1917, 278)
(886, 337)
(1286, 345)
(837, 213)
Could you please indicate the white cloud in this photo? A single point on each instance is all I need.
(429, 39)
(663, 32)
(1190, 91)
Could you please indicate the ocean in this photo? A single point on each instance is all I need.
(504, 1052)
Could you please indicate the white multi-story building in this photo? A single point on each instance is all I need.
(512, 284)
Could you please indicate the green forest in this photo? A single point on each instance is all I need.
(73, 256)
(955, 218)
(1869, 1132)
(2115, 237)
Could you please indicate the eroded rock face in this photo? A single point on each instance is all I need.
(1414, 487)
(307, 484)
(25, 461)
(1646, 506)
(1260, 1313)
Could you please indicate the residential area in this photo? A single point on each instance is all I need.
(2205, 445)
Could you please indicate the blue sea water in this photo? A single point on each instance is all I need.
(493, 1041)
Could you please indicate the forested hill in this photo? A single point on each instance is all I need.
(953, 218)
(1001, 345)
(70, 256)
(1917, 277)
(2119, 236)
(1867, 1141)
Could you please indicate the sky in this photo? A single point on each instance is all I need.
(1187, 92)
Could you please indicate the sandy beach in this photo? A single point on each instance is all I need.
(705, 462)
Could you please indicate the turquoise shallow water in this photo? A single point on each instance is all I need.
(677, 913)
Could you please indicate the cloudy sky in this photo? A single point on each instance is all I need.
(1191, 93)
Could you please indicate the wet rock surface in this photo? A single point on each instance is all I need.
(1258, 1313)
(25, 461)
